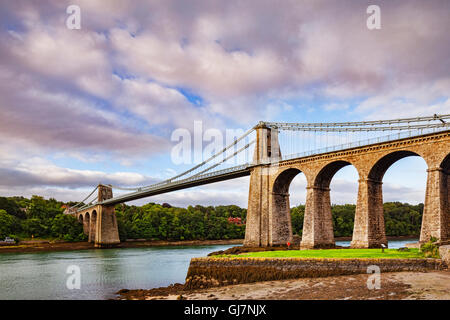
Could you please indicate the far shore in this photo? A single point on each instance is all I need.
(46, 245)
(42, 245)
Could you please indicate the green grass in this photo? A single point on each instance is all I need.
(333, 253)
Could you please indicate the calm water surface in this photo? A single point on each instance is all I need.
(103, 272)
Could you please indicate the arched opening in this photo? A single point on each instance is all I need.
(320, 224)
(399, 196)
(80, 218)
(323, 179)
(92, 227)
(445, 165)
(282, 229)
(379, 169)
(343, 198)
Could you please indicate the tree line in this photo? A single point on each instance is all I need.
(23, 218)
(158, 222)
(400, 219)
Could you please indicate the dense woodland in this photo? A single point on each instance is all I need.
(22, 218)
(400, 219)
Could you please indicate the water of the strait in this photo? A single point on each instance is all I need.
(44, 275)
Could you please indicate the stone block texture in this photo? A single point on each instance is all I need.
(268, 217)
(210, 272)
(99, 222)
(444, 252)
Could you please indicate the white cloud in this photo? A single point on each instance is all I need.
(36, 171)
(96, 94)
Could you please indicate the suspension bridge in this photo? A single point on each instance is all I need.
(272, 153)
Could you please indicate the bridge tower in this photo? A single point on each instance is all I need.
(266, 225)
(99, 221)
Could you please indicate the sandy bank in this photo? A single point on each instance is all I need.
(394, 286)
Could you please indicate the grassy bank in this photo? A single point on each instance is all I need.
(333, 253)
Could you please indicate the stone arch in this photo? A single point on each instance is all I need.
(80, 218)
(318, 222)
(86, 223)
(445, 164)
(378, 170)
(369, 229)
(93, 226)
(326, 174)
(283, 180)
(280, 227)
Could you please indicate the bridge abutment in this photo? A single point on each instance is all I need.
(99, 221)
(92, 227)
(368, 229)
(317, 223)
(436, 212)
(280, 228)
(107, 233)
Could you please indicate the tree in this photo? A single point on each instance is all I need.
(35, 227)
(11, 207)
(8, 224)
(68, 228)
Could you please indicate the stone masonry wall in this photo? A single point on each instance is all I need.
(211, 272)
(269, 193)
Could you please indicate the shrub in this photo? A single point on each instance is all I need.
(430, 249)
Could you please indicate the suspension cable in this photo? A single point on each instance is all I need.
(191, 169)
(82, 201)
(361, 123)
(213, 156)
(360, 128)
(224, 160)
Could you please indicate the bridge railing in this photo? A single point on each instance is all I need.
(361, 143)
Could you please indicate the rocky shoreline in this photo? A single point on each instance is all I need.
(48, 246)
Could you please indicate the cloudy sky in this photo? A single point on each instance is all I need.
(99, 104)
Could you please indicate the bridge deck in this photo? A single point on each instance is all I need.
(178, 186)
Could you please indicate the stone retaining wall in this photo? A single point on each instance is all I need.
(212, 272)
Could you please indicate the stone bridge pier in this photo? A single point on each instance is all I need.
(99, 222)
(268, 214)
